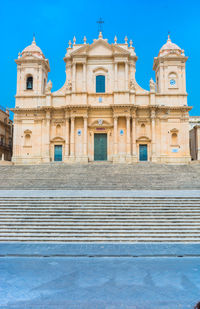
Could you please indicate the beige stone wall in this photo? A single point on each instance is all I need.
(128, 114)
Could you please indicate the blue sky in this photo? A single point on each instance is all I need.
(55, 22)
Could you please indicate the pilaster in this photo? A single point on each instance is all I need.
(134, 146)
(66, 155)
(153, 135)
(72, 138)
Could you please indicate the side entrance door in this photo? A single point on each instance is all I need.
(58, 153)
(100, 147)
(143, 152)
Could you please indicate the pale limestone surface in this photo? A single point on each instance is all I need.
(128, 114)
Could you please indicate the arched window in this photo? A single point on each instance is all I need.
(100, 84)
(29, 83)
(58, 130)
(174, 139)
(27, 140)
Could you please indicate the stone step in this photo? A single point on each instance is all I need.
(88, 215)
(52, 223)
(99, 199)
(97, 218)
(108, 211)
(79, 234)
(101, 239)
(100, 228)
(100, 219)
(100, 205)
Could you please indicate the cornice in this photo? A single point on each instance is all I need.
(171, 94)
(112, 106)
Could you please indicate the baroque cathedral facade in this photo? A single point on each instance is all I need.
(101, 113)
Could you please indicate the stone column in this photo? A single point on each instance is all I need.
(46, 137)
(115, 136)
(72, 140)
(85, 137)
(16, 139)
(128, 136)
(74, 77)
(84, 77)
(126, 75)
(134, 146)
(116, 77)
(66, 135)
(153, 133)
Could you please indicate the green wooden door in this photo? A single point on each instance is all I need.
(58, 153)
(143, 153)
(100, 147)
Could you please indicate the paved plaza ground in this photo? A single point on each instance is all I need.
(105, 176)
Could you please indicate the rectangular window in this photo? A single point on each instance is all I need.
(100, 83)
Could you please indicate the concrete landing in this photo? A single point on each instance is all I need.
(100, 193)
(64, 279)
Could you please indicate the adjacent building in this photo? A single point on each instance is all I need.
(5, 135)
(101, 113)
(195, 137)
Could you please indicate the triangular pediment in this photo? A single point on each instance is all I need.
(143, 139)
(58, 139)
(100, 47)
(172, 54)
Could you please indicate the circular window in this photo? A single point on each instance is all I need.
(172, 82)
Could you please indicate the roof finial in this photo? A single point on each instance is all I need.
(84, 39)
(115, 39)
(74, 40)
(126, 40)
(100, 35)
(70, 44)
(131, 43)
(169, 36)
(33, 39)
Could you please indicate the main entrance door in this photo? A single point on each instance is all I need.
(58, 153)
(100, 147)
(143, 153)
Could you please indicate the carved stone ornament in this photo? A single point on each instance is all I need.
(152, 85)
(48, 86)
(132, 84)
(100, 122)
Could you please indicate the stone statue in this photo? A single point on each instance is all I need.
(48, 86)
(152, 85)
(69, 85)
(132, 84)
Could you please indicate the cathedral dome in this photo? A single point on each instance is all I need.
(34, 50)
(169, 46)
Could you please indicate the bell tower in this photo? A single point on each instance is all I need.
(169, 67)
(32, 71)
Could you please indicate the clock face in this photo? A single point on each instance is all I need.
(172, 82)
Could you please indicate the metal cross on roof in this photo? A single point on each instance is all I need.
(100, 22)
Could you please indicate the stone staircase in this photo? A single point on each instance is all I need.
(100, 219)
(100, 176)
